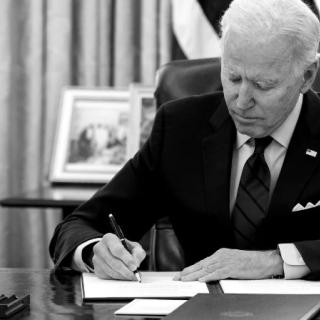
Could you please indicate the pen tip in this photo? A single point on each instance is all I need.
(137, 274)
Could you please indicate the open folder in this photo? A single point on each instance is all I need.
(153, 285)
(248, 306)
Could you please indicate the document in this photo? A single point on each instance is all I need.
(150, 307)
(153, 285)
(270, 286)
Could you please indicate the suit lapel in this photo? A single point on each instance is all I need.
(298, 166)
(217, 157)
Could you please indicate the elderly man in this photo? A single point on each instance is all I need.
(237, 172)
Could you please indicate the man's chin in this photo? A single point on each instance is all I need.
(250, 131)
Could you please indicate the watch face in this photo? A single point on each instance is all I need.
(87, 255)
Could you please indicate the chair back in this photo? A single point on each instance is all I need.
(183, 78)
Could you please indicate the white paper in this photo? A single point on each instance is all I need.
(271, 286)
(153, 285)
(150, 307)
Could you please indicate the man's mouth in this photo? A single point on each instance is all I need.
(242, 118)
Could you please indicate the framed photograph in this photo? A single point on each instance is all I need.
(91, 142)
(143, 110)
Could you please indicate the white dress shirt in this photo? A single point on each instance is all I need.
(294, 266)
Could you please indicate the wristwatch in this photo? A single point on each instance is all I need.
(87, 254)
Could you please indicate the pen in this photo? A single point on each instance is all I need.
(117, 230)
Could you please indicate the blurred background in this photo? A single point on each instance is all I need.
(46, 45)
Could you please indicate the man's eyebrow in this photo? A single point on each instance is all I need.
(232, 72)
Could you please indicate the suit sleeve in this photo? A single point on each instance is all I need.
(310, 253)
(307, 229)
(132, 196)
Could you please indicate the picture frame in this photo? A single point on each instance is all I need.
(143, 110)
(92, 136)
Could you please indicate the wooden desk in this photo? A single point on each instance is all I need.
(56, 296)
(66, 198)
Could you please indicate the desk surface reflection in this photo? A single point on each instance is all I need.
(53, 296)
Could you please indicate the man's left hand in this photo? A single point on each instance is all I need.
(233, 263)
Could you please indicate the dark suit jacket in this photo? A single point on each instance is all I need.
(184, 171)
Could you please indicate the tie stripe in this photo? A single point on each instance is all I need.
(247, 243)
(251, 201)
(253, 195)
(246, 217)
(258, 177)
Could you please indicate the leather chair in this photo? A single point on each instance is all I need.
(183, 78)
(174, 80)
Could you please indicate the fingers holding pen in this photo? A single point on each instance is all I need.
(115, 257)
(112, 260)
(118, 250)
(104, 270)
(138, 249)
(137, 252)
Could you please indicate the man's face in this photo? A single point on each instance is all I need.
(259, 85)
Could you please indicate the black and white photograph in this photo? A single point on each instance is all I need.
(92, 136)
(160, 159)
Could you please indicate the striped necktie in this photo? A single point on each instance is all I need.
(253, 196)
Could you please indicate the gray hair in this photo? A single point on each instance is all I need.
(265, 19)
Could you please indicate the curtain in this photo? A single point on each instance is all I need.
(44, 46)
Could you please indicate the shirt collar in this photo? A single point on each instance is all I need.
(283, 133)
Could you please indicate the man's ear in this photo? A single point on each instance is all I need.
(309, 76)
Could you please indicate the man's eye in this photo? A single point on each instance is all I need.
(235, 80)
(262, 86)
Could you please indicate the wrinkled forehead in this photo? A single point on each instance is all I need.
(259, 44)
(267, 54)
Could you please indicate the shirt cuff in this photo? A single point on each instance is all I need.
(294, 266)
(77, 262)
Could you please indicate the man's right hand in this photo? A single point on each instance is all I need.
(112, 261)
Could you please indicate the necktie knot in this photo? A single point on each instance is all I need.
(261, 144)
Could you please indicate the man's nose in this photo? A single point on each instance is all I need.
(245, 98)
